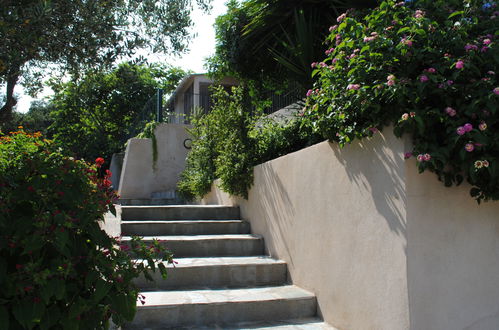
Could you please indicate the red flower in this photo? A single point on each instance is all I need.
(31, 189)
(99, 161)
(18, 266)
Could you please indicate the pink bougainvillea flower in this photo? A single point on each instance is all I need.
(406, 42)
(407, 155)
(423, 78)
(353, 86)
(431, 70)
(496, 90)
(450, 82)
(426, 157)
(491, 73)
(485, 163)
(419, 14)
(482, 126)
(470, 47)
(460, 130)
(484, 49)
(313, 65)
(468, 127)
(332, 28)
(405, 116)
(412, 114)
(469, 147)
(341, 18)
(487, 41)
(451, 112)
(420, 158)
(459, 64)
(309, 92)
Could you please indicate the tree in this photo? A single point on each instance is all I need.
(285, 36)
(38, 118)
(96, 115)
(82, 34)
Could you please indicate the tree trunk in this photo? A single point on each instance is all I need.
(10, 101)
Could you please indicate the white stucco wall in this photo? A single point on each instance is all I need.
(138, 177)
(381, 246)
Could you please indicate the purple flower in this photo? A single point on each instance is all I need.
(496, 90)
(469, 47)
(469, 147)
(451, 112)
(459, 64)
(484, 49)
(487, 41)
(423, 78)
(460, 130)
(353, 86)
(450, 82)
(431, 70)
(468, 127)
(407, 155)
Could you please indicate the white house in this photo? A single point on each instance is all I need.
(193, 91)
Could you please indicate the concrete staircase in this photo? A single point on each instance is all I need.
(222, 279)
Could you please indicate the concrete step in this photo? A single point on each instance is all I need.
(209, 245)
(223, 307)
(149, 201)
(179, 212)
(230, 272)
(184, 227)
(295, 324)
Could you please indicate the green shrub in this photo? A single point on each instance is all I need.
(233, 138)
(221, 148)
(199, 172)
(58, 269)
(427, 66)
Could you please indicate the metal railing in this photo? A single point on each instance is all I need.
(179, 107)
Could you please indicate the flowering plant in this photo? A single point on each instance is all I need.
(58, 268)
(426, 66)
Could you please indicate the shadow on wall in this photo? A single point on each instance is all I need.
(274, 199)
(368, 164)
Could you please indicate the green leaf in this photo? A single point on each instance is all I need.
(461, 12)
(101, 289)
(4, 318)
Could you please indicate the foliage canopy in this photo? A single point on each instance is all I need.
(81, 34)
(98, 113)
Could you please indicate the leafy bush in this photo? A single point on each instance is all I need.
(58, 268)
(221, 148)
(427, 66)
(230, 140)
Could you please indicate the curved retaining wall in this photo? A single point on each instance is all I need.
(381, 246)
